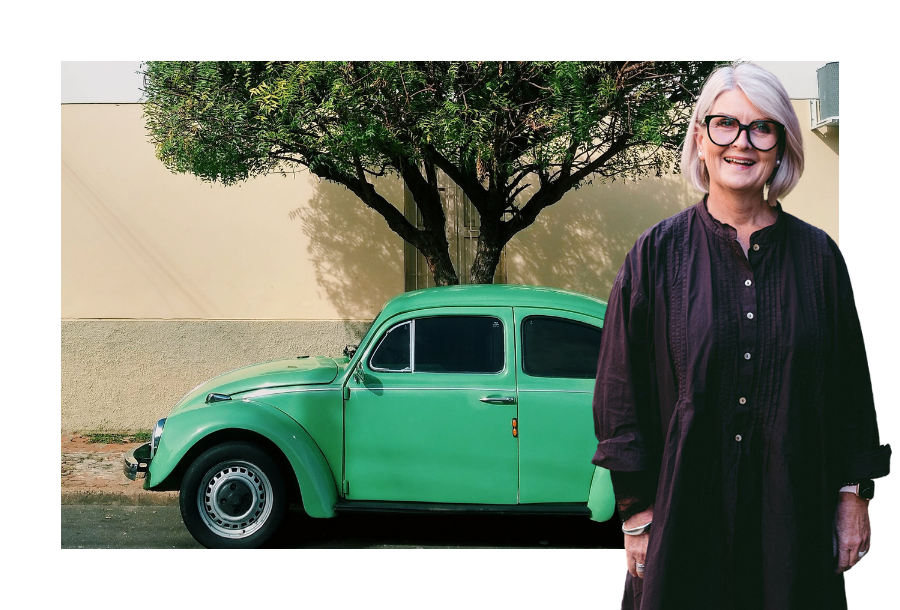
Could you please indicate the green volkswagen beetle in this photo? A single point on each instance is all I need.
(458, 398)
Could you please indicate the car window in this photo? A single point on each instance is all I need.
(392, 354)
(458, 344)
(555, 347)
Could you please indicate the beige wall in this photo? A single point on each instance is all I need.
(285, 265)
(140, 242)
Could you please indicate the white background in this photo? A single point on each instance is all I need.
(36, 42)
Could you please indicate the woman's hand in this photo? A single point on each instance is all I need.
(851, 530)
(636, 546)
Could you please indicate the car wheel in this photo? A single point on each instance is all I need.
(233, 496)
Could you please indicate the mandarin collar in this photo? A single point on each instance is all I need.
(726, 231)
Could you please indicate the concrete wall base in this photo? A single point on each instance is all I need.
(126, 374)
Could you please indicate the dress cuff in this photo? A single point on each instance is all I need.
(623, 453)
(634, 491)
(866, 464)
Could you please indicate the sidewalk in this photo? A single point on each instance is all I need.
(92, 474)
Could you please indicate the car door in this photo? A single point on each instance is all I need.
(432, 420)
(556, 364)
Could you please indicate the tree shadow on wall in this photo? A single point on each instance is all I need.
(580, 243)
(358, 260)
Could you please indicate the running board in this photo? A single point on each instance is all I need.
(574, 509)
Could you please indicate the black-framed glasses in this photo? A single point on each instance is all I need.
(723, 130)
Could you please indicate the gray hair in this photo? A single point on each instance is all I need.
(764, 91)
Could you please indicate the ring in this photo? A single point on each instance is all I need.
(639, 567)
(861, 553)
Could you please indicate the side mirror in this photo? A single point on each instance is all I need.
(358, 375)
(350, 350)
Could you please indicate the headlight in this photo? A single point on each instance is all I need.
(154, 438)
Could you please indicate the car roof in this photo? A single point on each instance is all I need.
(497, 295)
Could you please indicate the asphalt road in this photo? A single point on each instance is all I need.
(160, 527)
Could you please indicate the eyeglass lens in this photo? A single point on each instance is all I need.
(725, 130)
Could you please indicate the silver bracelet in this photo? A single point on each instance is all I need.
(637, 531)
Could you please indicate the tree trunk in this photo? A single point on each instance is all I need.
(436, 248)
(487, 257)
(433, 244)
(441, 266)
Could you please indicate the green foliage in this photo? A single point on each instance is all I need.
(492, 127)
(117, 438)
(227, 121)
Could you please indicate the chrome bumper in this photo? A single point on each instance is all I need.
(137, 462)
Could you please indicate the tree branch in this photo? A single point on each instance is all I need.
(426, 196)
(515, 193)
(368, 195)
(470, 185)
(552, 192)
(520, 174)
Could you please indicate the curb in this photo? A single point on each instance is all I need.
(92, 498)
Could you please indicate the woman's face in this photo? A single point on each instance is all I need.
(738, 167)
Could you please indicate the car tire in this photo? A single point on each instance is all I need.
(233, 496)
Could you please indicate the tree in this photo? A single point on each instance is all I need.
(494, 128)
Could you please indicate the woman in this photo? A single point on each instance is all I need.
(733, 404)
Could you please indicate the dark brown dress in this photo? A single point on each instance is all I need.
(740, 389)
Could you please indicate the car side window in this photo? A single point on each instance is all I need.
(392, 354)
(554, 347)
(442, 344)
(458, 344)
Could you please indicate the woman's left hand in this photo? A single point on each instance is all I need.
(851, 530)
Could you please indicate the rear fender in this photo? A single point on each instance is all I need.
(189, 427)
(601, 500)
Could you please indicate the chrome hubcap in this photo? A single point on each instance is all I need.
(236, 499)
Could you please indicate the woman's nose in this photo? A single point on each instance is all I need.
(743, 139)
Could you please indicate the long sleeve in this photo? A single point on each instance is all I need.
(621, 393)
(856, 452)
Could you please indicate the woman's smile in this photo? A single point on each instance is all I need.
(740, 161)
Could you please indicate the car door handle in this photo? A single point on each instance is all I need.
(499, 400)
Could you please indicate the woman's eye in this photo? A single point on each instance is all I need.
(762, 127)
(726, 123)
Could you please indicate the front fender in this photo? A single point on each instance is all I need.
(601, 500)
(186, 428)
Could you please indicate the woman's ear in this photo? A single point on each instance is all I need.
(699, 137)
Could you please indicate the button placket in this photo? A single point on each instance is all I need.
(747, 346)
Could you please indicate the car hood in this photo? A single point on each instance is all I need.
(278, 373)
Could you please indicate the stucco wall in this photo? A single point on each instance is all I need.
(126, 374)
(141, 242)
(168, 281)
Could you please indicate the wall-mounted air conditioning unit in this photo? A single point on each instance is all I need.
(824, 112)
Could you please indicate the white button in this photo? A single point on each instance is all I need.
(742, 400)
(756, 246)
(749, 315)
(738, 438)
(747, 356)
(748, 283)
